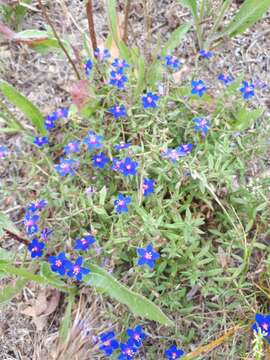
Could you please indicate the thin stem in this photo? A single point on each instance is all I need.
(127, 10)
(91, 25)
(46, 16)
(18, 238)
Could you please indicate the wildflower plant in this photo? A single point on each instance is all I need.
(146, 178)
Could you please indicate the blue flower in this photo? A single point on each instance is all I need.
(84, 243)
(147, 256)
(36, 248)
(40, 141)
(172, 62)
(121, 204)
(50, 121)
(30, 223)
(148, 187)
(185, 149)
(72, 147)
(77, 270)
(59, 263)
(227, 79)
(198, 87)
(37, 205)
(116, 163)
(45, 233)
(137, 335)
(100, 160)
(102, 54)
(128, 350)
(66, 166)
(3, 152)
(128, 167)
(61, 113)
(88, 67)
(201, 125)
(205, 54)
(262, 323)
(173, 353)
(90, 190)
(93, 141)
(120, 64)
(118, 78)
(149, 100)
(118, 111)
(109, 344)
(122, 146)
(248, 90)
(175, 154)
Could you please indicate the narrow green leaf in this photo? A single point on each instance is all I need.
(6, 223)
(9, 292)
(245, 118)
(112, 15)
(137, 303)
(175, 38)
(140, 76)
(249, 13)
(50, 277)
(30, 111)
(65, 324)
(102, 196)
(31, 34)
(192, 5)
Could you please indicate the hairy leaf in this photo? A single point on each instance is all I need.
(192, 5)
(30, 111)
(245, 118)
(137, 303)
(7, 293)
(65, 325)
(250, 12)
(176, 37)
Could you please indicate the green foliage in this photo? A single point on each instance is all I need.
(249, 13)
(138, 304)
(7, 293)
(30, 111)
(175, 38)
(66, 321)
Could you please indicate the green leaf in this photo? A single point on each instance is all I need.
(50, 277)
(30, 111)
(6, 223)
(245, 118)
(192, 5)
(65, 325)
(31, 34)
(137, 303)
(140, 76)
(249, 13)
(112, 15)
(175, 38)
(9, 292)
(102, 196)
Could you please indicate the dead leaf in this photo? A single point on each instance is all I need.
(79, 91)
(222, 257)
(41, 307)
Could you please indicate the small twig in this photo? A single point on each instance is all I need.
(46, 16)
(91, 25)
(127, 11)
(18, 238)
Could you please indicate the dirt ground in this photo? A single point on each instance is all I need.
(45, 79)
